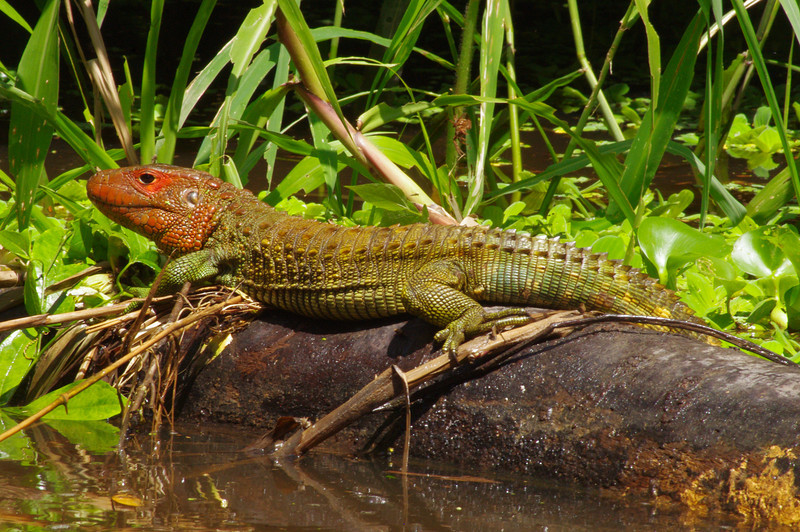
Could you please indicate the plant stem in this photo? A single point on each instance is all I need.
(513, 112)
(463, 68)
(147, 127)
(627, 21)
(577, 35)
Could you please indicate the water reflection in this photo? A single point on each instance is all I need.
(198, 478)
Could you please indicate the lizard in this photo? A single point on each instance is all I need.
(222, 234)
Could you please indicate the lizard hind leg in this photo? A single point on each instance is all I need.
(438, 293)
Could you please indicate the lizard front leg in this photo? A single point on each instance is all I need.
(437, 292)
(197, 266)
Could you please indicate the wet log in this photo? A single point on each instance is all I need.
(623, 407)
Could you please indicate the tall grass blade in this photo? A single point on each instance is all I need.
(653, 49)
(234, 106)
(147, 123)
(463, 71)
(11, 13)
(295, 34)
(588, 71)
(200, 84)
(30, 134)
(275, 121)
(605, 163)
(102, 77)
(792, 11)
(259, 114)
(402, 44)
(169, 129)
(659, 123)
(490, 57)
(248, 40)
(68, 130)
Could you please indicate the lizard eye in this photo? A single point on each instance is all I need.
(191, 197)
(146, 178)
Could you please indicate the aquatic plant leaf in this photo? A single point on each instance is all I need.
(18, 352)
(17, 447)
(670, 245)
(98, 401)
(756, 253)
(97, 437)
(611, 244)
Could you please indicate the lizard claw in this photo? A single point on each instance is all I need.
(450, 338)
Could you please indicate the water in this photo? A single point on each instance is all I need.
(197, 478)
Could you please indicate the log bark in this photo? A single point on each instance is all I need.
(623, 407)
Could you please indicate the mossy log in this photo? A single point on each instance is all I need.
(622, 407)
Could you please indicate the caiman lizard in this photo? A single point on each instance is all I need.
(442, 274)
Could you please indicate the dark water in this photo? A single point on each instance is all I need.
(197, 478)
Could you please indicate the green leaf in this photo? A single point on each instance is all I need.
(756, 253)
(384, 195)
(611, 244)
(18, 447)
(383, 113)
(492, 36)
(96, 437)
(98, 401)
(670, 245)
(404, 38)
(9, 11)
(31, 134)
(246, 86)
(18, 352)
(70, 132)
(757, 58)
(147, 120)
(199, 85)
(659, 123)
(16, 242)
(34, 287)
(79, 245)
(171, 125)
(308, 174)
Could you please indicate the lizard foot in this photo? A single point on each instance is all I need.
(477, 321)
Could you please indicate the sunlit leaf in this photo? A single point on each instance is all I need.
(98, 401)
(18, 352)
(37, 74)
(757, 254)
(384, 195)
(670, 244)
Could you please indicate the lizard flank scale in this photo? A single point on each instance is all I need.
(440, 273)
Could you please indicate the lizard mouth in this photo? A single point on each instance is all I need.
(106, 196)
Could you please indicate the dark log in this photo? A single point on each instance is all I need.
(623, 407)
